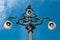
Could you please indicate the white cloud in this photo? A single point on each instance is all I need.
(2, 14)
(1, 8)
(2, 2)
(2, 18)
(2, 5)
(10, 3)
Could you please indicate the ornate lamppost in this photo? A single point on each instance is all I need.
(30, 21)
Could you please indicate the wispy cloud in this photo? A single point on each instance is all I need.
(1, 8)
(2, 13)
(2, 5)
(1, 2)
(10, 3)
(2, 17)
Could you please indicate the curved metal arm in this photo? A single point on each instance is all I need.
(47, 18)
(42, 19)
(12, 18)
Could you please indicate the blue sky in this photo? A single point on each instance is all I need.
(43, 8)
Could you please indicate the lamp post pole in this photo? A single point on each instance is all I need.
(30, 28)
(29, 21)
(30, 35)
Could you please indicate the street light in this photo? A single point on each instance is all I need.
(8, 24)
(29, 10)
(51, 25)
(29, 21)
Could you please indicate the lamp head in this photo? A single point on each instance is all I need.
(51, 25)
(8, 24)
(29, 10)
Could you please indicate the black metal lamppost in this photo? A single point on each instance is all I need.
(30, 21)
